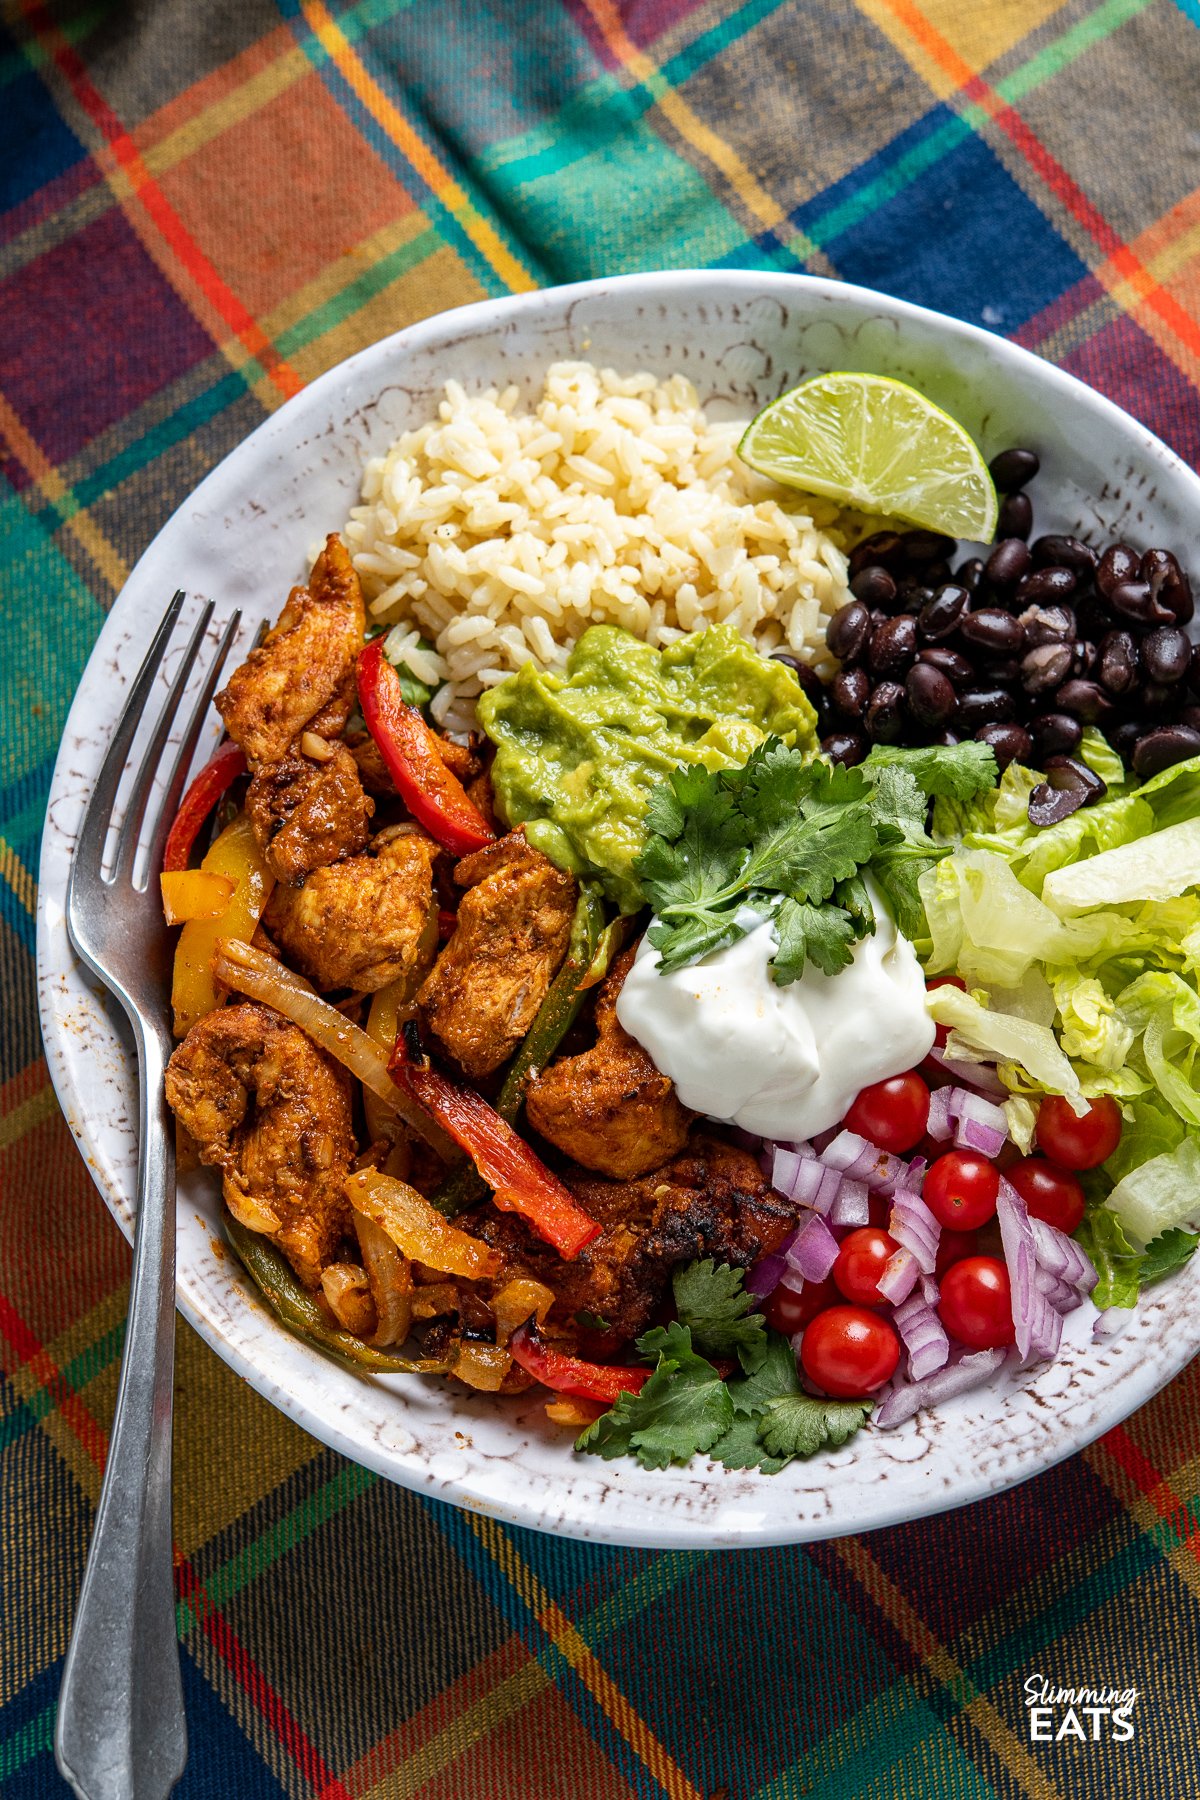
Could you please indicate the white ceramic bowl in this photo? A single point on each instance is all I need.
(242, 538)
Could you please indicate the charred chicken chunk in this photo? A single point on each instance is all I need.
(514, 924)
(362, 922)
(302, 674)
(272, 1112)
(609, 1109)
(307, 814)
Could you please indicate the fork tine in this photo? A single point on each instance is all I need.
(143, 779)
(173, 792)
(89, 848)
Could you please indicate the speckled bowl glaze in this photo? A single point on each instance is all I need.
(242, 538)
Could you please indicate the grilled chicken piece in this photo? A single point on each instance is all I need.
(364, 921)
(307, 814)
(711, 1200)
(609, 1109)
(272, 1112)
(514, 924)
(302, 675)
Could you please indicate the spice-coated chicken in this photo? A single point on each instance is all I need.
(365, 921)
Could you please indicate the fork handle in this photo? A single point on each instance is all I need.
(121, 1733)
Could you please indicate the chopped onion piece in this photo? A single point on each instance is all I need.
(913, 1178)
(979, 1076)
(764, 1277)
(1112, 1321)
(907, 1398)
(813, 1250)
(1062, 1296)
(981, 1126)
(852, 1205)
(390, 1276)
(861, 1160)
(899, 1276)
(940, 1124)
(923, 1336)
(1060, 1255)
(1016, 1235)
(785, 1170)
(915, 1229)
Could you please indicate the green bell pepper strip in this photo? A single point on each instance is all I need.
(297, 1310)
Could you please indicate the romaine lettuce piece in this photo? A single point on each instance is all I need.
(1160, 1195)
(1158, 867)
(1007, 1040)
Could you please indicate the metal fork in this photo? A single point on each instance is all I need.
(121, 1733)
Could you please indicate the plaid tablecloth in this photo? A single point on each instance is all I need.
(208, 202)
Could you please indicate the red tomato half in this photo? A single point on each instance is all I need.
(976, 1303)
(960, 1190)
(1078, 1141)
(849, 1352)
(1049, 1193)
(860, 1263)
(789, 1311)
(892, 1114)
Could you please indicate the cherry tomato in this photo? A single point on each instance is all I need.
(1079, 1142)
(960, 1190)
(892, 1114)
(860, 1263)
(849, 1351)
(1050, 1193)
(976, 1303)
(942, 1032)
(953, 1246)
(789, 1311)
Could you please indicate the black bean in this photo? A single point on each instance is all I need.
(1190, 716)
(931, 697)
(991, 629)
(874, 586)
(883, 547)
(849, 629)
(970, 573)
(1008, 562)
(913, 596)
(885, 713)
(1048, 625)
(893, 646)
(935, 573)
(1045, 667)
(1163, 700)
(926, 546)
(949, 663)
(850, 690)
(1159, 749)
(940, 615)
(1086, 699)
(1168, 583)
(1068, 771)
(1011, 743)
(1117, 662)
(1050, 806)
(1085, 659)
(1013, 469)
(1166, 653)
(1055, 734)
(845, 747)
(984, 706)
(1002, 671)
(810, 682)
(1068, 552)
(1193, 679)
(1124, 736)
(1016, 516)
(1134, 600)
(1118, 564)
(1093, 617)
(1044, 586)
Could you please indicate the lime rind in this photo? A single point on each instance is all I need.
(880, 446)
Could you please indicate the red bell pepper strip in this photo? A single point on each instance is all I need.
(215, 778)
(433, 795)
(520, 1181)
(570, 1374)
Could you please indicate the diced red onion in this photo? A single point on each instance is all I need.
(908, 1397)
(1111, 1322)
(1045, 1327)
(1060, 1255)
(1062, 1296)
(923, 1336)
(940, 1124)
(915, 1229)
(1016, 1235)
(981, 1126)
(764, 1277)
(899, 1276)
(823, 1139)
(861, 1160)
(853, 1204)
(913, 1178)
(979, 1076)
(785, 1170)
(929, 1288)
(813, 1250)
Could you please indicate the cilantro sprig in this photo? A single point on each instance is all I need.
(793, 839)
(1124, 1271)
(760, 1419)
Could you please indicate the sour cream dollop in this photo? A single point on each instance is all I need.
(782, 1062)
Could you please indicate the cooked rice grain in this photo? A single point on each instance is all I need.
(501, 534)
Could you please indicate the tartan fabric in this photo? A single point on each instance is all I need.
(204, 206)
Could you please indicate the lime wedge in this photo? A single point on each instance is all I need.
(878, 445)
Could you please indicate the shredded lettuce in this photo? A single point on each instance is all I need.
(1162, 1195)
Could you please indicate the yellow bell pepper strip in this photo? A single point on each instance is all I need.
(570, 1374)
(516, 1302)
(215, 778)
(433, 795)
(481, 1366)
(519, 1180)
(417, 1230)
(299, 1311)
(194, 894)
(237, 857)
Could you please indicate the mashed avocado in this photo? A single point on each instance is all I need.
(577, 756)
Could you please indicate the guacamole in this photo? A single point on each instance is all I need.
(577, 756)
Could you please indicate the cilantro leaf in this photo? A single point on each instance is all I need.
(799, 1425)
(1116, 1260)
(810, 847)
(906, 849)
(740, 1448)
(713, 1304)
(683, 1408)
(774, 1377)
(1166, 1253)
(958, 771)
(824, 934)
